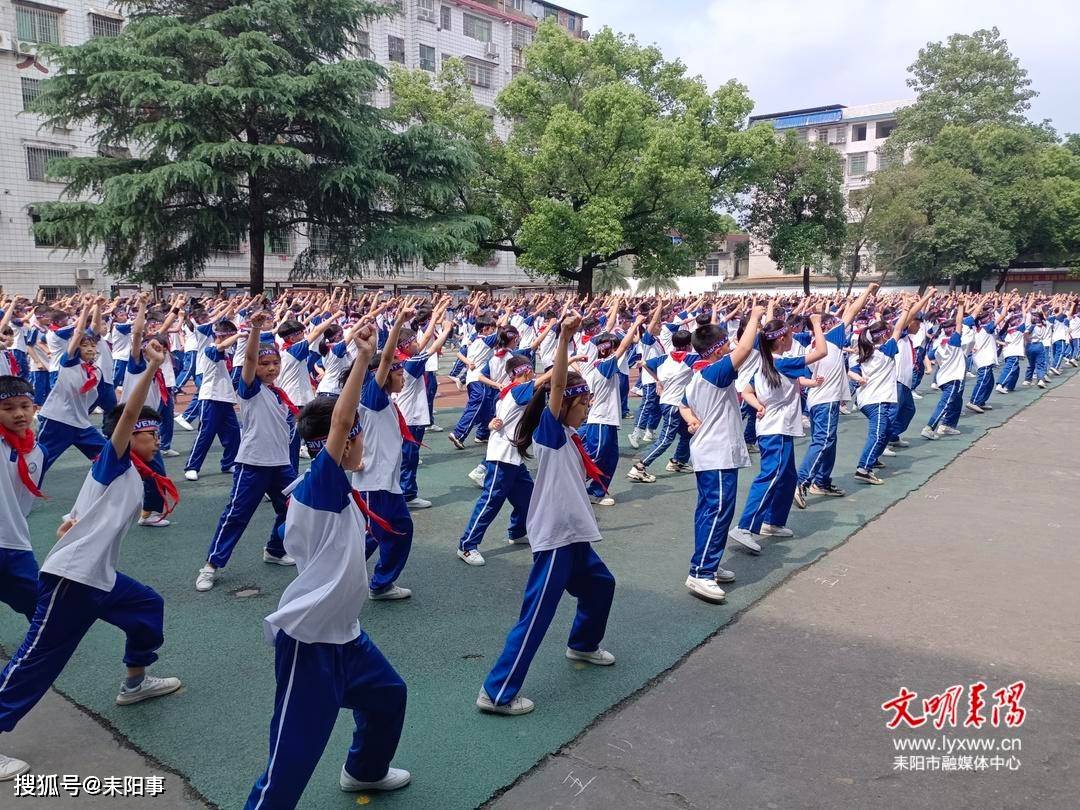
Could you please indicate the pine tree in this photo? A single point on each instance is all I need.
(218, 120)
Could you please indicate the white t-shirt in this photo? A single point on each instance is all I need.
(479, 352)
(135, 371)
(783, 409)
(1014, 342)
(108, 503)
(66, 402)
(905, 361)
(985, 347)
(335, 363)
(16, 500)
(267, 426)
(601, 375)
(832, 369)
(217, 384)
(560, 512)
(748, 369)
(672, 373)
(120, 338)
(511, 404)
(951, 360)
(718, 444)
(412, 399)
(204, 338)
(293, 377)
(879, 369)
(324, 533)
(382, 441)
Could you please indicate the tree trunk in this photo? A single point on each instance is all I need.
(585, 279)
(1002, 278)
(806, 279)
(856, 265)
(256, 228)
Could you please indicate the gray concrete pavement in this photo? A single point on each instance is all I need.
(971, 578)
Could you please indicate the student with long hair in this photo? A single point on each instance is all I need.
(562, 529)
(949, 355)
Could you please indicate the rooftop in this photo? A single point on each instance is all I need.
(829, 113)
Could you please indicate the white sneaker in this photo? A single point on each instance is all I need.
(600, 658)
(517, 541)
(745, 539)
(418, 503)
(706, 589)
(971, 406)
(1041, 383)
(150, 687)
(769, 530)
(284, 559)
(477, 475)
(607, 500)
(806, 422)
(1026, 383)
(928, 433)
(935, 386)
(723, 575)
(11, 767)
(205, 580)
(945, 430)
(648, 438)
(170, 453)
(1001, 389)
(987, 407)
(395, 778)
(184, 423)
(901, 443)
(970, 375)
(519, 705)
(435, 428)
(634, 438)
(845, 409)
(471, 557)
(393, 593)
(191, 475)
(916, 395)
(888, 451)
(154, 519)
(304, 451)
(639, 473)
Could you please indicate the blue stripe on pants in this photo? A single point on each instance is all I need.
(215, 419)
(648, 415)
(770, 496)
(950, 392)
(251, 483)
(602, 444)
(984, 384)
(1058, 354)
(1036, 361)
(503, 481)
(19, 580)
(393, 548)
(579, 571)
(191, 412)
(712, 519)
(410, 462)
(817, 464)
(672, 425)
(314, 682)
(1010, 373)
(879, 418)
(905, 412)
(479, 410)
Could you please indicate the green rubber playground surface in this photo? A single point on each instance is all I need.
(443, 640)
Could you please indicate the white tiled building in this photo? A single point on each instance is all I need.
(489, 35)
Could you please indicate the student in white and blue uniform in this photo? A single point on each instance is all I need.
(1059, 340)
(79, 583)
(1038, 333)
(562, 529)
(649, 414)
(481, 403)
(951, 368)
(1011, 336)
(506, 478)
(203, 339)
(217, 404)
(323, 660)
(264, 461)
(120, 340)
(906, 359)
(984, 357)
(717, 451)
(672, 373)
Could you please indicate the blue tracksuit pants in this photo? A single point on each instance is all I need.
(216, 419)
(431, 388)
(716, 493)
(648, 415)
(624, 394)
(1057, 354)
(918, 369)
(905, 412)
(817, 465)
(771, 493)
(393, 548)
(187, 370)
(106, 397)
(1036, 361)
(672, 425)
(119, 372)
(602, 444)
(750, 427)
(576, 569)
(947, 410)
(18, 580)
(410, 462)
(503, 481)
(64, 612)
(314, 682)
(1010, 373)
(479, 410)
(984, 384)
(879, 416)
(251, 483)
(42, 386)
(55, 437)
(191, 412)
(167, 410)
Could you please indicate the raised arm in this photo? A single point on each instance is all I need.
(567, 329)
(746, 344)
(121, 436)
(387, 359)
(819, 349)
(78, 333)
(855, 306)
(344, 416)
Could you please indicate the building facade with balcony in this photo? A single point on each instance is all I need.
(490, 36)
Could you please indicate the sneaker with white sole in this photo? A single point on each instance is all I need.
(454, 440)
(800, 495)
(435, 428)
(1001, 389)
(831, 491)
(607, 500)
(945, 430)
(723, 575)
(169, 453)
(649, 437)
(900, 443)
(395, 778)
(391, 594)
(971, 406)
(519, 705)
(970, 375)
(205, 580)
(845, 410)
(634, 438)
(769, 530)
(705, 589)
(986, 407)
(599, 658)
(11, 767)
(679, 467)
(1026, 383)
(304, 451)
(518, 541)
(744, 539)
(471, 557)
(284, 559)
(150, 687)
(916, 395)
(154, 519)
(191, 475)
(867, 476)
(184, 423)
(478, 440)
(477, 475)
(418, 503)
(639, 473)
(888, 451)
(1041, 383)
(928, 433)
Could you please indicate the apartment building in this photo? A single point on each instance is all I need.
(490, 36)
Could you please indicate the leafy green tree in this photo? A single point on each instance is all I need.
(246, 120)
(797, 205)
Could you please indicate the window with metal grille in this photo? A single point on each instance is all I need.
(478, 73)
(858, 132)
(34, 24)
(712, 266)
(37, 158)
(102, 26)
(445, 18)
(476, 27)
(31, 89)
(427, 58)
(857, 164)
(395, 47)
(884, 160)
(884, 129)
(425, 10)
(319, 238)
(823, 135)
(521, 36)
(363, 44)
(228, 244)
(279, 242)
(52, 293)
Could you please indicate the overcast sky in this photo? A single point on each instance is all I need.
(793, 53)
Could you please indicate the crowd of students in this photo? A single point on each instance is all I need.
(349, 383)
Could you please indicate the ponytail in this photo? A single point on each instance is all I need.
(866, 345)
(768, 367)
(530, 420)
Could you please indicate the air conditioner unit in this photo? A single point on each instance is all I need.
(84, 274)
(7, 41)
(26, 48)
(491, 50)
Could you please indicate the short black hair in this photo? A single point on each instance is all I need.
(681, 339)
(313, 421)
(109, 420)
(705, 337)
(12, 386)
(290, 327)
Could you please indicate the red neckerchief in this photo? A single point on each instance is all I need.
(700, 364)
(91, 378)
(165, 487)
(281, 395)
(22, 445)
(591, 470)
(228, 363)
(406, 434)
(163, 390)
(370, 515)
(678, 357)
(13, 362)
(501, 352)
(506, 390)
